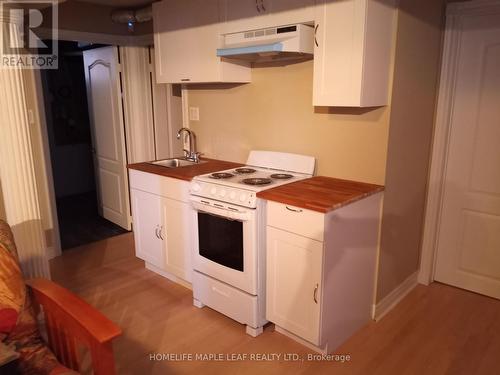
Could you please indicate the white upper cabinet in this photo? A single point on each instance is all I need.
(284, 12)
(186, 37)
(242, 15)
(352, 54)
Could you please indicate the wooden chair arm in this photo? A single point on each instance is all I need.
(71, 307)
(71, 321)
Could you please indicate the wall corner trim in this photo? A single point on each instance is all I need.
(393, 298)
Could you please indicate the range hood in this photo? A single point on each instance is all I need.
(289, 42)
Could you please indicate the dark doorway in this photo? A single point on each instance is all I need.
(69, 134)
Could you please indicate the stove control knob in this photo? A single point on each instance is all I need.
(213, 191)
(243, 197)
(222, 193)
(232, 195)
(196, 187)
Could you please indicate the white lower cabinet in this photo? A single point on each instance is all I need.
(161, 217)
(176, 226)
(320, 270)
(146, 215)
(294, 283)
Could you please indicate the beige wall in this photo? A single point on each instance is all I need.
(275, 112)
(416, 74)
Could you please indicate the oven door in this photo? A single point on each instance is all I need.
(225, 243)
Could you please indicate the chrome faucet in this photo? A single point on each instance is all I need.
(190, 154)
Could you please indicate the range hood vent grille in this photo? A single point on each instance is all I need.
(289, 42)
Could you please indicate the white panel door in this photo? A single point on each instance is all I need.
(468, 254)
(137, 99)
(146, 208)
(108, 138)
(293, 290)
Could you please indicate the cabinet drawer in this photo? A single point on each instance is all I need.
(297, 220)
(230, 301)
(159, 185)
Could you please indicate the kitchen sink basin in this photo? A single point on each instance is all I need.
(176, 162)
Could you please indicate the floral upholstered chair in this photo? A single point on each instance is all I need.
(69, 321)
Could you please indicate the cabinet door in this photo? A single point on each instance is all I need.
(293, 294)
(146, 214)
(353, 52)
(337, 69)
(175, 232)
(243, 15)
(186, 36)
(284, 12)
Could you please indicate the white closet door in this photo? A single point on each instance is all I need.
(468, 254)
(108, 134)
(137, 99)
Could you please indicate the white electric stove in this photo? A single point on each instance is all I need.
(240, 185)
(229, 243)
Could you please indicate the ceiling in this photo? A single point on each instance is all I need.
(120, 3)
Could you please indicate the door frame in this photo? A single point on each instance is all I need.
(65, 35)
(442, 132)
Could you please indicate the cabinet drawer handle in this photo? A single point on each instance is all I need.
(315, 294)
(156, 232)
(293, 209)
(185, 79)
(315, 32)
(159, 233)
(263, 7)
(257, 5)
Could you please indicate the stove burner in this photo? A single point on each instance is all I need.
(281, 176)
(244, 170)
(221, 175)
(256, 181)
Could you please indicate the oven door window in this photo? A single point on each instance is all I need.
(221, 240)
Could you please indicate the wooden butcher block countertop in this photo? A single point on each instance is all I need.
(322, 194)
(188, 172)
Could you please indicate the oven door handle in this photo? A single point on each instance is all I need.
(221, 212)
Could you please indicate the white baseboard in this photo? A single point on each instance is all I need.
(393, 298)
(168, 275)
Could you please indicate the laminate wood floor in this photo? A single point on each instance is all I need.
(434, 330)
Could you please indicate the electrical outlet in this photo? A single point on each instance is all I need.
(194, 113)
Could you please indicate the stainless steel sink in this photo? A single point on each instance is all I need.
(176, 162)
